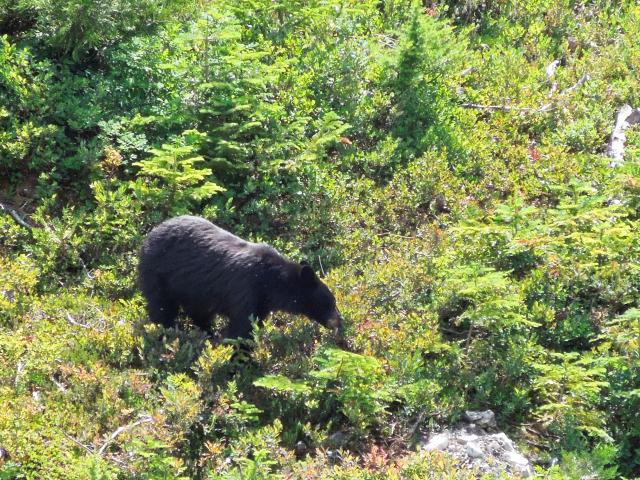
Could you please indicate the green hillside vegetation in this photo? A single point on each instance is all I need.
(482, 248)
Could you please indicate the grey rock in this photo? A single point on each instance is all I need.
(519, 463)
(473, 450)
(482, 419)
(504, 441)
(437, 442)
(516, 459)
(492, 454)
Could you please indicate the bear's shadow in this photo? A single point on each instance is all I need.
(176, 349)
(289, 343)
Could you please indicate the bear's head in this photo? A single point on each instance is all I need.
(317, 302)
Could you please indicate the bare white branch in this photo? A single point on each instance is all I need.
(581, 81)
(72, 321)
(627, 116)
(87, 448)
(122, 429)
(19, 368)
(14, 214)
(528, 110)
(551, 68)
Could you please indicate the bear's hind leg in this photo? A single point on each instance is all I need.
(200, 319)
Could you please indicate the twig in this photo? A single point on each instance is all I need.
(92, 451)
(544, 108)
(582, 80)
(84, 268)
(504, 108)
(87, 448)
(508, 108)
(120, 430)
(468, 342)
(339, 369)
(417, 423)
(453, 332)
(58, 384)
(468, 71)
(72, 321)
(321, 267)
(19, 368)
(10, 211)
(387, 41)
(391, 234)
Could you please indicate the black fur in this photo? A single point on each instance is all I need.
(191, 263)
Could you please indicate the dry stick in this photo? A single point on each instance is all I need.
(453, 332)
(72, 321)
(583, 79)
(506, 108)
(88, 449)
(92, 451)
(391, 234)
(417, 423)
(19, 368)
(10, 211)
(113, 436)
(544, 108)
(321, 267)
(84, 268)
(468, 342)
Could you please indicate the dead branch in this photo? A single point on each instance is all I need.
(551, 69)
(468, 71)
(321, 266)
(412, 430)
(528, 110)
(14, 214)
(581, 81)
(75, 322)
(84, 268)
(19, 368)
(507, 108)
(87, 448)
(627, 116)
(453, 332)
(397, 235)
(120, 430)
(72, 321)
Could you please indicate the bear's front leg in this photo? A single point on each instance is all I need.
(240, 324)
(162, 311)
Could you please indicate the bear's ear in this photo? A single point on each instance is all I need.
(307, 275)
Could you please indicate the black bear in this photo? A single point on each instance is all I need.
(191, 263)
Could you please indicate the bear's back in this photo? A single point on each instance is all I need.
(190, 236)
(189, 240)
